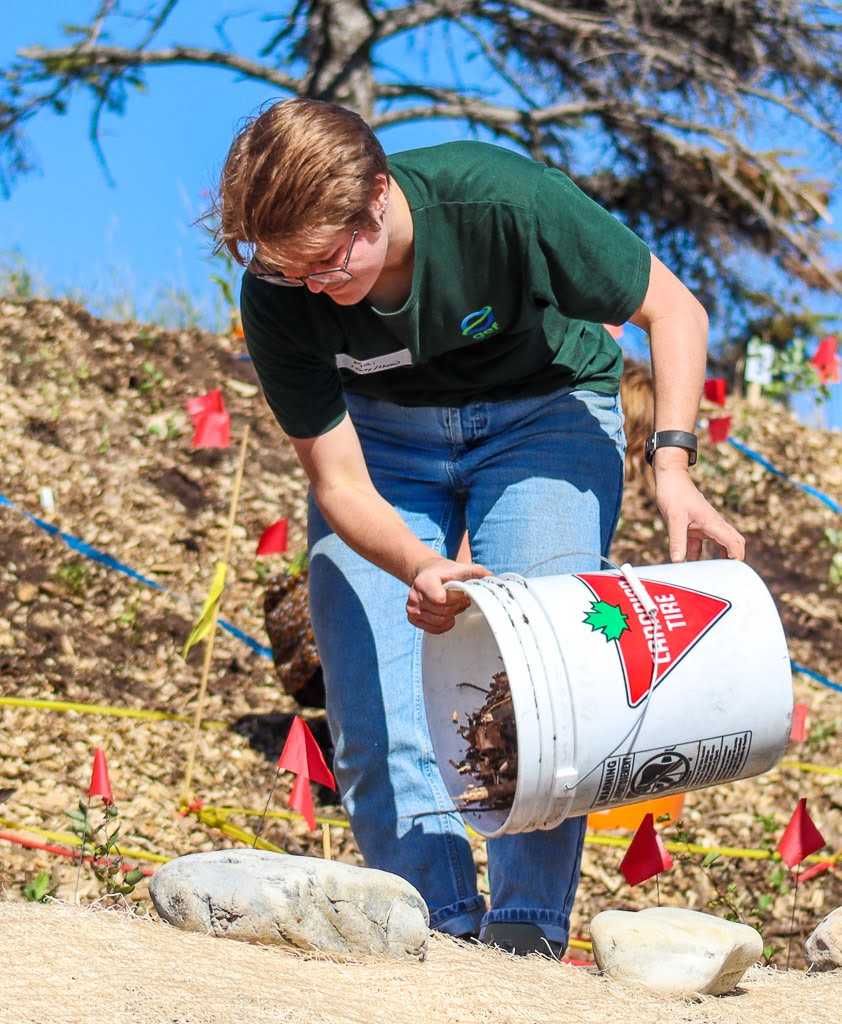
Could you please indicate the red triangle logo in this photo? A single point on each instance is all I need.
(685, 616)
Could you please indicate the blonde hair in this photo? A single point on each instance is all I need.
(295, 176)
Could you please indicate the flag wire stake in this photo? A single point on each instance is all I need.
(186, 789)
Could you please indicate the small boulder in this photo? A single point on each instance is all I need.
(279, 899)
(674, 951)
(824, 946)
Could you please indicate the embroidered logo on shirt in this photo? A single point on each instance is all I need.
(402, 357)
(480, 324)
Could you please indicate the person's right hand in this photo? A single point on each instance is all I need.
(429, 606)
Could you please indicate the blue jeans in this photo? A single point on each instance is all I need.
(530, 479)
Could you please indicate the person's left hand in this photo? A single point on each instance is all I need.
(691, 520)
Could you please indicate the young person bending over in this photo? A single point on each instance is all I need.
(427, 331)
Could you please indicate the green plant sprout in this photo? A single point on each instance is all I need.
(106, 860)
(74, 576)
(40, 888)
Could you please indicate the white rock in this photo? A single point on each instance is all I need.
(824, 946)
(279, 899)
(674, 951)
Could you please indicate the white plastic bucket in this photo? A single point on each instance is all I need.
(591, 735)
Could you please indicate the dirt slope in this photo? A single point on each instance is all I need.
(95, 411)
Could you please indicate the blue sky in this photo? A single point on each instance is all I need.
(75, 232)
(130, 247)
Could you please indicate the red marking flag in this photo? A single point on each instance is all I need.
(301, 800)
(302, 755)
(719, 428)
(273, 540)
(715, 390)
(816, 869)
(100, 784)
(826, 361)
(646, 856)
(800, 838)
(211, 423)
(798, 732)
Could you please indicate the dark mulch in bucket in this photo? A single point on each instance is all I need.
(491, 757)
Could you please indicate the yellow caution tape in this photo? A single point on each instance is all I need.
(106, 709)
(205, 620)
(723, 851)
(69, 839)
(805, 766)
(580, 944)
(591, 838)
(169, 716)
(212, 817)
(252, 812)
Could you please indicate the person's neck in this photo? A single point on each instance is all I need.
(393, 286)
(400, 227)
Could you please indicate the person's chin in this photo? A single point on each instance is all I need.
(347, 294)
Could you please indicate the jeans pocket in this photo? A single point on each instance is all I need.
(607, 410)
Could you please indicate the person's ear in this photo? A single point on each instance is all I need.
(380, 195)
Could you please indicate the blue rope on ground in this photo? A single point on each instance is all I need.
(77, 544)
(819, 678)
(750, 453)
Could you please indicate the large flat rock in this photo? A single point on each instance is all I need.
(305, 902)
(674, 951)
(824, 946)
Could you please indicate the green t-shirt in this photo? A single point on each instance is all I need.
(515, 270)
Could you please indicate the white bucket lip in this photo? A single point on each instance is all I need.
(559, 699)
(483, 596)
(536, 804)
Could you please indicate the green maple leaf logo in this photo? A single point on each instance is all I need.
(609, 618)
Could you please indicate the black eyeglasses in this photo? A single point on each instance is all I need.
(336, 275)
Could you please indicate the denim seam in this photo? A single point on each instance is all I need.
(570, 895)
(528, 915)
(467, 905)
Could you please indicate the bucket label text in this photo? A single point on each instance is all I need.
(673, 769)
(684, 617)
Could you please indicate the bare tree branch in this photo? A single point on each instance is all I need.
(69, 59)
(491, 113)
(673, 90)
(414, 15)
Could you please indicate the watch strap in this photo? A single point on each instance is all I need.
(672, 439)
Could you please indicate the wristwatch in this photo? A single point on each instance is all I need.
(672, 439)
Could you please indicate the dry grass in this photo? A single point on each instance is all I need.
(68, 965)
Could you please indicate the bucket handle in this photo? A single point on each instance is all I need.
(564, 554)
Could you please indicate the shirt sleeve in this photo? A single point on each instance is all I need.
(598, 269)
(301, 385)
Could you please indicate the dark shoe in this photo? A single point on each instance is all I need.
(521, 939)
